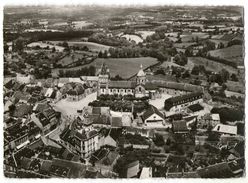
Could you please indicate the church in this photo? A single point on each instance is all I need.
(138, 88)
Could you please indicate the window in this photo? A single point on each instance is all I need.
(139, 89)
(218, 128)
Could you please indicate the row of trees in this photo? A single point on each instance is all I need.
(108, 40)
(229, 114)
(85, 71)
(121, 105)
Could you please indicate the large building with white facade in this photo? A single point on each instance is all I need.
(180, 103)
(81, 140)
(139, 88)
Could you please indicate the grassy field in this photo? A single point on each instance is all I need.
(92, 46)
(125, 67)
(144, 34)
(183, 45)
(45, 45)
(188, 37)
(69, 59)
(233, 53)
(209, 64)
(135, 38)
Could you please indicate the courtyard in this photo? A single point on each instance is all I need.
(159, 102)
(69, 108)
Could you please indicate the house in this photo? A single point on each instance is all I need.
(91, 80)
(73, 91)
(24, 79)
(107, 138)
(105, 159)
(50, 93)
(101, 121)
(219, 170)
(180, 126)
(195, 108)
(152, 117)
(179, 103)
(215, 87)
(19, 134)
(200, 140)
(116, 122)
(146, 172)
(22, 110)
(46, 120)
(225, 129)
(64, 168)
(81, 140)
(211, 119)
(131, 170)
(126, 117)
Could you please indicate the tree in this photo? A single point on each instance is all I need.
(181, 59)
(234, 77)
(158, 140)
(168, 142)
(5, 48)
(100, 54)
(53, 49)
(210, 45)
(19, 44)
(224, 74)
(189, 52)
(12, 109)
(65, 44)
(195, 70)
(186, 74)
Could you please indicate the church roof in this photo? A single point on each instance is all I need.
(122, 84)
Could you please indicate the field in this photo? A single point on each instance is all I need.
(209, 64)
(45, 45)
(144, 34)
(80, 24)
(69, 59)
(183, 45)
(188, 37)
(131, 37)
(171, 34)
(125, 67)
(218, 41)
(233, 53)
(92, 46)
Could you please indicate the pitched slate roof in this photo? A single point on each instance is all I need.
(151, 86)
(22, 110)
(195, 107)
(219, 170)
(73, 89)
(122, 84)
(222, 128)
(169, 103)
(102, 119)
(150, 111)
(116, 122)
(132, 164)
(10, 84)
(179, 126)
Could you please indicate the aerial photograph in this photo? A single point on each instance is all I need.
(120, 92)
